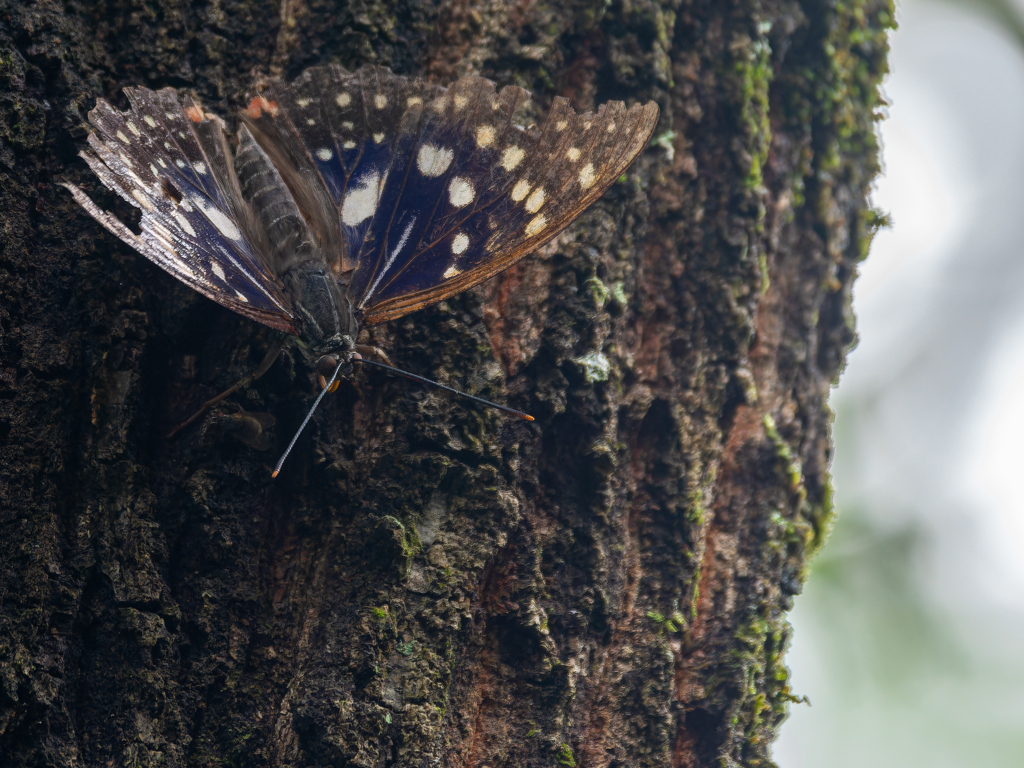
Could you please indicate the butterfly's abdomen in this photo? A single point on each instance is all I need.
(272, 203)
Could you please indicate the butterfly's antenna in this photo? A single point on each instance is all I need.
(446, 388)
(305, 421)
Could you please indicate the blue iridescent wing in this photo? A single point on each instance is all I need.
(170, 159)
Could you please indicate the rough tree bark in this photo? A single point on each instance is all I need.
(429, 583)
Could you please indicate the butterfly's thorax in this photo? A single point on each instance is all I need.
(327, 323)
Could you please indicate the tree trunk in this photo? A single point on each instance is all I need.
(428, 583)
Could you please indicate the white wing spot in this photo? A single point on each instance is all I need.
(361, 201)
(342, 99)
(302, 102)
(391, 260)
(218, 270)
(324, 154)
(536, 224)
(160, 160)
(484, 136)
(460, 101)
(460, 243)
(133, 128)
(241, 296)
(222, 222)
(451, 272)
(349, 144)
(122, 137)
(181, 135)
(511, 158)
(433, 161)
(535, 200)
(124, 159)
(573, 154)
(611, 126)
(183, 223)
(520, 190)
(180, 163)
(587, 177)
(143, 200)
(587, 124)
(380, 101)
(167, 145)
(310, 121)
(149, 121)
(561, 125)
(200, 167)
(170, 115)
(348, 125)
(378, 138)
(154, 170)
(461, 192)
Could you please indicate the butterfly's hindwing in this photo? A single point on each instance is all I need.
(169, 159)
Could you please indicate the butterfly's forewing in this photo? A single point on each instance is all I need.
(170, 159)
(502, 191)
(331, 132)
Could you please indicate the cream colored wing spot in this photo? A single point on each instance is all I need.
(200, 167)
(537, 223)
(380, 101)
(343, 99)
(143, 200)
(433, 161)
(348, 125)
(378, 138)
(302, 102)
(183, 223)
(149, 121)
(561, 125)
(349, 144)
(133, 128)
(520, 190)
(451, 272)
(324, 154)
(573, 154)
(460, 101)
(310, 121)
(512, 157)
(218, 270)
(535, 200)
(361, 201)
(460, 243)
(484, 136)
(460, 192)
(122, 137)
(587, 176)
(412, 101)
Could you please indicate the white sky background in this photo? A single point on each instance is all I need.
(909, 639)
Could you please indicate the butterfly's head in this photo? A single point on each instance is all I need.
(328, 363)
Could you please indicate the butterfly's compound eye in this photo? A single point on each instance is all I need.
(325, 370)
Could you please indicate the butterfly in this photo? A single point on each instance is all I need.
(348, 199)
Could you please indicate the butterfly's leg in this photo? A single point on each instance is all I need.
(373, 352)
(271, 356)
